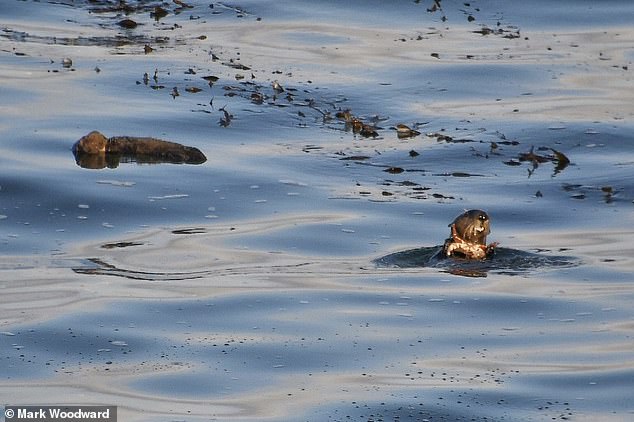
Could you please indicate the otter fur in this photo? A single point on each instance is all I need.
(97, 151)
(468, 236)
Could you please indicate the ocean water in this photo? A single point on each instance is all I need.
(291, 276)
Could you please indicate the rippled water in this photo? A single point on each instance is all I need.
(292, 275)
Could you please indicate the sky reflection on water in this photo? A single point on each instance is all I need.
(246, 287)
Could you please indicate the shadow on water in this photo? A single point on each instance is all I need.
(504, 261)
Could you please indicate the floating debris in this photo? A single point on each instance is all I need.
(356, 124)
(356, 158)
(225, 120)
(277, 87)
(190, 230)
(120, 245)
(234, 65)
(394, 170)
(257, 98)
(158, 13)
(367, 131)
(560, 160)
(440, 137)
(536, 159)
(182, 4)
(211, 79)
(127, 24)
(404, 131)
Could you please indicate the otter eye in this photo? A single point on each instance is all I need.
(482, 217)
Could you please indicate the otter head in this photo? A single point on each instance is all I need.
(93, 143)
(472, 226)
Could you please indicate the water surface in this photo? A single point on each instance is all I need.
(288, 277)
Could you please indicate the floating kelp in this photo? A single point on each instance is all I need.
(394, 170)
(226, 118)
(95, 151)
(560, 160)
(356, 158)
(510, 33)
(127, 24)
(277, 87)
(404, 131)
(158, 13)
(440, 137)
(211, 79)
(608, 194)
(356, 125)
(117, 245)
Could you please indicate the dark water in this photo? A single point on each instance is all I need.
(292, 275)
(504, 260)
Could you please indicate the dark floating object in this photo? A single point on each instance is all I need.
(226, 118)
(127, 24)
(404, 131)
(468, 236)
(558, 158)
(158, 13)
(190, 230)
(561, 161)
(394, 170)
(356, 158)
(440, 137)
(257, 98)
(95, 151)
(277, 87)
(211, 79)
(357, 126)
(120, 245)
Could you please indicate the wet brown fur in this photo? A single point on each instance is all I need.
(468, 236)
(141, 149)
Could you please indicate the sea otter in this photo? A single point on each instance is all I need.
(469, 235)
(96, 151)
